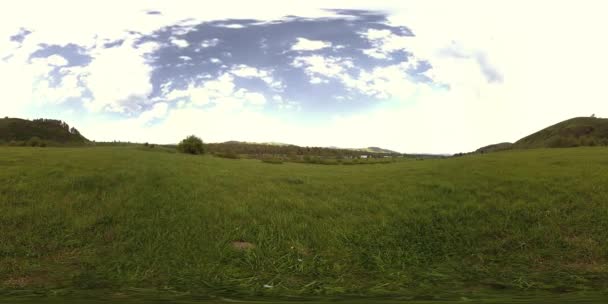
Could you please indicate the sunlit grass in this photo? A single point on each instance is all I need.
(120, 218)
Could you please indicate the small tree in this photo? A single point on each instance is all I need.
(191, 145)
(34, 141)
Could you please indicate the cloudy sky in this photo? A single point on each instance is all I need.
(412, 76)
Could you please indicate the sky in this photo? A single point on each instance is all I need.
(411, 76)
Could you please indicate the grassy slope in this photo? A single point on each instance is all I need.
(82, 218)
(495, 147)
(579, 131)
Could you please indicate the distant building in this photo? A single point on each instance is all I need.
(363, 156)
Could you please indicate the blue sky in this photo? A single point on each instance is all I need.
(413, 76)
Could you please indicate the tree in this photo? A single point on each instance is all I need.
(74, 131)
(191, 145)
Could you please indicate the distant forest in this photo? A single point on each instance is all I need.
(38, 132)
(287, 150)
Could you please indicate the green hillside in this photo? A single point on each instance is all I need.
(579, 131)
(575, 132)
(21, 131)
(124, 220)
(495, 147)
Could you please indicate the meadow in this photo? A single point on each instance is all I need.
(123, 220)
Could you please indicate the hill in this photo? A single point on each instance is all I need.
(377, 150)
(251, 148)
(495, 147)
(16, 130)
(574, 132)
(107, 218)
(579, 131)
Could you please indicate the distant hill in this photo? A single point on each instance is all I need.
(251, 148)
(235, 142)
(575, 132)
(373, 150)
(47, 130)
(377, 150)
(495, 147)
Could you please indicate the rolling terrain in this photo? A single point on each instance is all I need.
(133, 220)
(579, 131)
(574, 132)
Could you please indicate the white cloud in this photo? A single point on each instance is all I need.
(286, 104)
(246, 71)
(249, 72)
(210, 43)
(232, 26)
(304, 44)
(180, 42)
(380, 82)
(384, 82)
(56, 60)
(317, 80)
(221, 93)
(118, 89)
(68, 87)
(255, 98)
(384, 43)
(158, 110)
(320, 66)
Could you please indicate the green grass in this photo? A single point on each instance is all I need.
(122, 219)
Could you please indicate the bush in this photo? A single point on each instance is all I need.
(191, 145)
(329, 161)
(272, 160)
(563, 142)
(34, 141)
(230, 155)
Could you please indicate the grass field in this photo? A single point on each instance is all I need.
(122, 219)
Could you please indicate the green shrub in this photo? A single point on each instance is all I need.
(348, 162)
(34, 141)
(272, 160)
(328, 161)
(588, 141)
(563, 142)
(191, 145)
(230, 155)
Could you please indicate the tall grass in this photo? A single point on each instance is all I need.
(112, 218)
